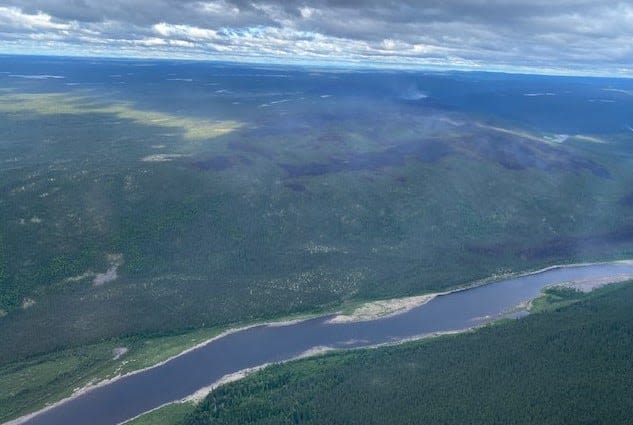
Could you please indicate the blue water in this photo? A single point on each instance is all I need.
(263, 344)
(296, 103)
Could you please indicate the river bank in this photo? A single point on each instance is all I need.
(386, 309)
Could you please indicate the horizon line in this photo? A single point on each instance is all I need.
(334, 65)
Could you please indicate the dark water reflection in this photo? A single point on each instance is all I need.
(255, 346)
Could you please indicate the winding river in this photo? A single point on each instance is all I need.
(251, 347)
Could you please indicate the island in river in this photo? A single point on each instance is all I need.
(253, 347)
(148, 206)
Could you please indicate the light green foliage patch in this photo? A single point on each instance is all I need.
(19, 104)
(30, 384)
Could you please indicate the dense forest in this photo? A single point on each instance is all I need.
(571, 363)
(149, 213)
(209, 210)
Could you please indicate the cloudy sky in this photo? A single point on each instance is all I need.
(571, 36)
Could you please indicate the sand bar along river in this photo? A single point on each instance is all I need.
(238, 350)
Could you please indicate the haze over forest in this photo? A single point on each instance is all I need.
(192, 190)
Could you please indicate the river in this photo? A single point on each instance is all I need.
(184, 375)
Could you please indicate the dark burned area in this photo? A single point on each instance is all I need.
(509, 151)
(394, 156)
(221, 162)
(520, 153)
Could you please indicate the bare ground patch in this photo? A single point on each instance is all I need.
(589, 284)
(162, 157)
(118, 352)
(116, 260)
(384, 308)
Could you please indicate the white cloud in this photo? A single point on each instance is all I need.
(218, 7)
(181, 43)
(306, 12)
(153, 41)
(184, 32)
(14, 18)
(505, 34)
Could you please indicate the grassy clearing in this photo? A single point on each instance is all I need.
(67, 104)
(553, 298)
(557, 297)
(31, 384)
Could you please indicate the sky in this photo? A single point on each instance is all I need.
(543, 36)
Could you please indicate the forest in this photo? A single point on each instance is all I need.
(569, 363)
(148, 214)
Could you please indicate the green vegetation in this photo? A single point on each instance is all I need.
(556, 297)
(121, 224)
(570, 363)
(202, 248)
(57, 104)
(31, 384)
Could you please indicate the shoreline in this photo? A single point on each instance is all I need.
(588, 285)
(90, 387)
(398, 302)
(382, 309)
(202, 393)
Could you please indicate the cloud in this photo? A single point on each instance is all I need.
(13, 19)
(578, 35)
